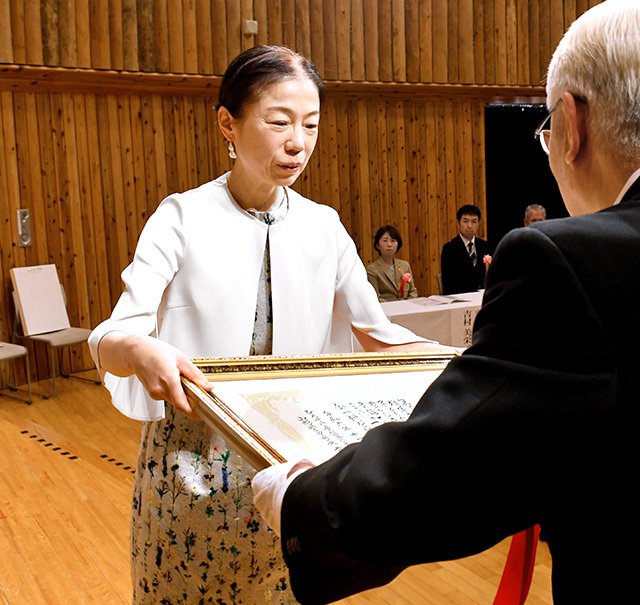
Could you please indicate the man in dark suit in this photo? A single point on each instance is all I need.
(524, 427)
(462, 261)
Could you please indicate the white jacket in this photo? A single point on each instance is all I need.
(193, 282)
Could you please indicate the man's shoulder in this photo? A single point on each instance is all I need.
(482, 244)
(594, 240)
(452, 243)
(615, 223)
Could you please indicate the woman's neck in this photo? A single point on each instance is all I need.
(249, 196)
(388, 260)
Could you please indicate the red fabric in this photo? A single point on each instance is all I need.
(518, 570)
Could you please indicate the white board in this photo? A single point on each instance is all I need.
(39, 299)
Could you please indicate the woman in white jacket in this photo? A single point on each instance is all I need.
(241, 265)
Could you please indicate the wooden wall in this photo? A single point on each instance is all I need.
(106, 106)
(443, 41)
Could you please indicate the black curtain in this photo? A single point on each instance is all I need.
(517, 169)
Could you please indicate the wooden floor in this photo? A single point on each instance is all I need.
(66, 469)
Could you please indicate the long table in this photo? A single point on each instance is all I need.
(447, 319)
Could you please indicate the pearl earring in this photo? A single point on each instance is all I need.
(232, 151)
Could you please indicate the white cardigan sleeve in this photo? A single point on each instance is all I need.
(157, 259)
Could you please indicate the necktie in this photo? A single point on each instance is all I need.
(472, 253)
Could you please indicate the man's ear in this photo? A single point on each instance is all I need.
(575, 114)
(226, 122)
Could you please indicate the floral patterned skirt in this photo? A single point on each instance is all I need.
(196, 537)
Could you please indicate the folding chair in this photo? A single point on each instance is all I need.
(41, 316)
(9, 352)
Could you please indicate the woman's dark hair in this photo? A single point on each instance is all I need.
(393, 234)
(258, 67)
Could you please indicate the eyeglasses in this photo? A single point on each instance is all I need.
(543, 133)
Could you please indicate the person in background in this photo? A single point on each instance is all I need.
(391, 277)
(462, 261)
(533, 424)
(534, 213)
(242, 265)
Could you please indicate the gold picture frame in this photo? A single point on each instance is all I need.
(262, 405)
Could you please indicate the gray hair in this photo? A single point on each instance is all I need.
(598, 61)
(534, 208)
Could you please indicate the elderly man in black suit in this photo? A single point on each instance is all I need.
(462, 261)
(532, 424)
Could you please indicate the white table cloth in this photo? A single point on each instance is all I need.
(447, 319)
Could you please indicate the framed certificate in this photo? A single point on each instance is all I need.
(272, 409)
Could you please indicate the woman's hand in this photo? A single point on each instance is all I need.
(157, 364)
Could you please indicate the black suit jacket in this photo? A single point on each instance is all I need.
(458, 272)
(518, 430)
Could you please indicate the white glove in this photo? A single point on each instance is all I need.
(269, 487)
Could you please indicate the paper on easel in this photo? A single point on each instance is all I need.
(39, 299)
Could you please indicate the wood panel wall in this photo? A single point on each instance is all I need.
(92, 136)
(442, 41)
